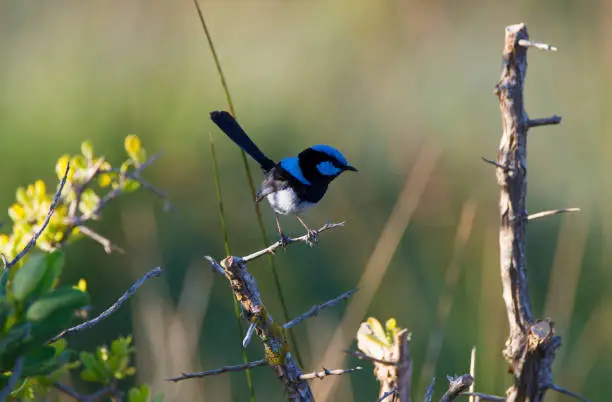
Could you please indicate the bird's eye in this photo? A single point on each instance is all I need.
(328, 169)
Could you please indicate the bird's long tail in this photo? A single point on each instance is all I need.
(232, 129)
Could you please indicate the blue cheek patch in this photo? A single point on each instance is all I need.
(328, 169)
(292, 165)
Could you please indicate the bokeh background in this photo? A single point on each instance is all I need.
(405, 90)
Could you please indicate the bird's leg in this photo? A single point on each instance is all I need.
(313, 235)
(283, 239)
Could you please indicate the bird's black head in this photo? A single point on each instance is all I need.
(317, 164)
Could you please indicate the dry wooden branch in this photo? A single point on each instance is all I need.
(315, 310)
(305, 238)
(544, 214)
(456, 385)
(220, 370)
(531, 345)
(113, 308)
(484, 397)
(325, 372)
(272, 335)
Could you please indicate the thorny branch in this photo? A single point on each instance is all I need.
(305, 238)
(220, 370)
(113, 308)
(325, 372)
(43, 226)
(276, 347)
(315, 310)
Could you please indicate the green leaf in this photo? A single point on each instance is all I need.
(62, 299)
(29, 277)
(95, 370)
(6, 309)
(134, 396)
(4, 277)
(158, 398)
(55, 263)
(40, 361)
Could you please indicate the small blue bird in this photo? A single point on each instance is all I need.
(294, 184)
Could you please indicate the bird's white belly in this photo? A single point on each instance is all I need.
(286, 202)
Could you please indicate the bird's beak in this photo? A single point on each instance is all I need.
(351, 168)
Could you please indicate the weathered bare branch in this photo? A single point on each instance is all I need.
(315, 310)
(531, 344)
(429, 393)
(484, 397)
(544, 214)
(537, 45)
(567, 392)
(113, 308)
(546, 121)
(456, 385)
(363, 356)
(498, 165)
(220, 370)
(386, 395)
(272, 335)
(325, 372)
(305, 238)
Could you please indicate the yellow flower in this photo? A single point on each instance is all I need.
(16, 212)
(61, 165)
(82, 285)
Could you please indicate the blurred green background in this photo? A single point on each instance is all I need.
(390, 83)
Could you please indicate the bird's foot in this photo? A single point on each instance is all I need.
(284, 241)
(312, 237)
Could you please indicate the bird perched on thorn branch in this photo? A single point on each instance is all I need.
(294, 184)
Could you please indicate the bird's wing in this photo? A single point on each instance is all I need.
(271, 184)
(232, 129)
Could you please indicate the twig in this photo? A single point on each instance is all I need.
(13, 379)
(386, 395)
(305, 238)
(247, 337)
(220, 370)
(113, 308)
(567, 392)
(530, 347)
(551, 212)
(325, 372)
(363, 356)
(537, 45)
(473, 372)
(34, 239)
(215, 265)
(96, 396)
(430, 389)
(315, 310)
(456, 385)
(491, 162)
(103, 241)
(74, 220)
(484, 397)
(554, 119)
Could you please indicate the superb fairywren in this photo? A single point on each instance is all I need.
(294, 184)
